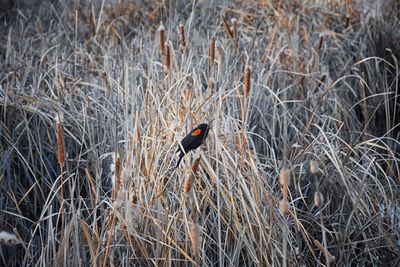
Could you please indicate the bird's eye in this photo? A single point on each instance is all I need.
(196, 132)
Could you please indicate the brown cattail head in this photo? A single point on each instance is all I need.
(283, 206)
(118, 183)
(60, 140)
(212, 51)
(284, 175)
(346, 23)
(321, 41)
(247, 74)
(195, 165)
(194, 237)
(167, 55)
(318, 199)
(161, 32)
(284, 178)
(188, 184)
(314, 168)
(182, 35)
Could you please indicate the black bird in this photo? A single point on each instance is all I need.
(193, 140)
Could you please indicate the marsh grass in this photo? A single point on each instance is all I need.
(283, 85)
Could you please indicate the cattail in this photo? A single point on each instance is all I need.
(234, 28)
(283, 206)
(219, 59)
(188, 183)
(321, 41)
(284, 179)
(284, 175)
(161, 31)
(60, 140)
(60, 157)
(318, 199)
(191, 176)
(118, 172)
(194, 237)
(167, 56)
(212, 51)
(314, 168)
(247, 74)
(195, 165)
(182, 35)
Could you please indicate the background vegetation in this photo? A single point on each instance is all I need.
(301, 166)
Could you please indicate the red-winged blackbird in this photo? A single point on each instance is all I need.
(193, 140)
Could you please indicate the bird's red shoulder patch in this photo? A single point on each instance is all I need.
(196, 132)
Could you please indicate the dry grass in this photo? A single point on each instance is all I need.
(285, 86)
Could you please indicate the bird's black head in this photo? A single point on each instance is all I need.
(204, 128)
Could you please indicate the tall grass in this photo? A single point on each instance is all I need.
(309, 88)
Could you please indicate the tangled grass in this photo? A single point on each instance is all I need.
(300, 168)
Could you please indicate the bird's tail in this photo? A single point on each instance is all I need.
(180, 158)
